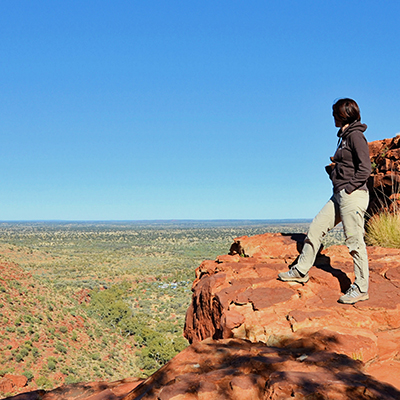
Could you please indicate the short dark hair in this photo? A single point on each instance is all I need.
(347, 111)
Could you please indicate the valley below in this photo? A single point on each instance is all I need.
(83, 302)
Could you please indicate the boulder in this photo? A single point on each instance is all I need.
(9, 382)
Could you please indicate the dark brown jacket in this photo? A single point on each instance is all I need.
(352, 162)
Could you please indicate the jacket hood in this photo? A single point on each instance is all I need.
(354, 126)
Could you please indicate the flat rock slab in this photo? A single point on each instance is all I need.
(239, 296)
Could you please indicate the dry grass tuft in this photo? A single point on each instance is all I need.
(383, 230)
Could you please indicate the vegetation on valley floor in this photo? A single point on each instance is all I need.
(138, 277)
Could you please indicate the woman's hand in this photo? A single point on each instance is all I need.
(329, 168)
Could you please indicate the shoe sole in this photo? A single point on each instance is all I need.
(354, 301)
(298, 280)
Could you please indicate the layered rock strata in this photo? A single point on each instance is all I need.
(384, 184)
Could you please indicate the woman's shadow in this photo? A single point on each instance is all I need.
(322, 261)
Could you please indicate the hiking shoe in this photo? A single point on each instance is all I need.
(353, 295)
(293, 275)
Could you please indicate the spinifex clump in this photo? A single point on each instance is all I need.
(383, 227)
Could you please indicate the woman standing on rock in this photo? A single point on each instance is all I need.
(349, 173)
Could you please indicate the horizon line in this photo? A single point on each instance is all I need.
(172, 220)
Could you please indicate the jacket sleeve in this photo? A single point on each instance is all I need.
(362, 162)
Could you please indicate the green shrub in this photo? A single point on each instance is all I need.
(6, 371)
(35, 337)
(23, 352)
(28, 374)
(64, 370)
(180, 343)
(51, 365)
(21, 330)
(95, 356)
(109, 304)
(383, 230)
(35, 352)
(72, 379)
(61, 348)
(44, 383)
(27, 318)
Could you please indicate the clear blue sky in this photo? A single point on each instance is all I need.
(145, 109)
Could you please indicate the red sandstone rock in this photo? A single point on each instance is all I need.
(244, 300)
(239, 370)
(268, 245)
(6, 386)
(9, 382)
(385, 177)
(17, 380)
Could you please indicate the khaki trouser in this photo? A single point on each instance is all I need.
(348, 209)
